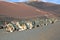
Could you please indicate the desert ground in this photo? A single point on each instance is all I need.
(50, 32)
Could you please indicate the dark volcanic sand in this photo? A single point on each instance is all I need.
(51, 32)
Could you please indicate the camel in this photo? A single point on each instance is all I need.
(21, 27)
(9, 27)
(29, 25)
(52, 20)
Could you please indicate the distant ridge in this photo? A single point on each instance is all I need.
(46, 6)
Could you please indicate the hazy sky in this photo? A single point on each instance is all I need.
(53, 1)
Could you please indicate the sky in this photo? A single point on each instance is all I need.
(53, 1)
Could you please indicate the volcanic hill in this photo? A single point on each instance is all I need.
(23, 10)
(46, 6)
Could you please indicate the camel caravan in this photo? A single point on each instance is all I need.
(27, 24)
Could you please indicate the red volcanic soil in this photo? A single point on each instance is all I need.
(20, 10)
(46, 6)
